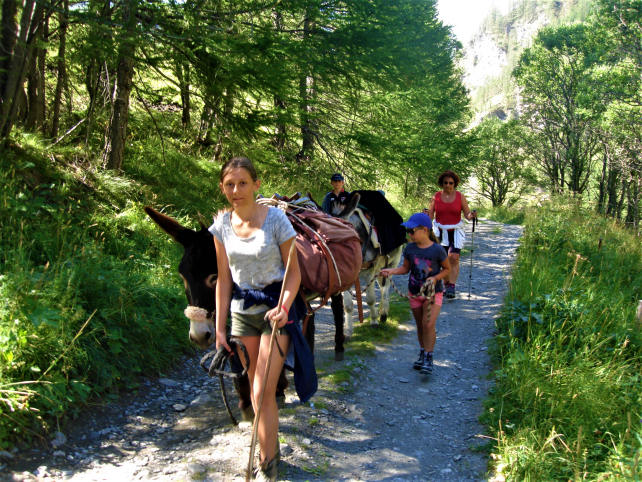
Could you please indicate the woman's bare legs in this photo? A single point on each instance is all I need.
(258, 348)
(453, 258)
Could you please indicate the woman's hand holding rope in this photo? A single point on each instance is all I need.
(221, 340)
(278, 315)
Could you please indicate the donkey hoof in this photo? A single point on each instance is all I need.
(383, 319)
(338, 356)
(247, 414)
(280, 401)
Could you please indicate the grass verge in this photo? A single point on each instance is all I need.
(91, 298)
(567, 403)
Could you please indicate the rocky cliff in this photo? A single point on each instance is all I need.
(490, 56)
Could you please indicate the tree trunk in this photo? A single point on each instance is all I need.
(97, 71)
(612, 179)
(601, 199)
(306, 89)
(61, 67)
(224, 133)
(11, 91)
(205, 126)
(280, 135)
(8, 38)
(36, 81)
(632, 204)
(620, 204)
(182, 74)
(117, 134)
(279, 139)
(306, 95)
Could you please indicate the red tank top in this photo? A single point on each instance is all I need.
(448, 213)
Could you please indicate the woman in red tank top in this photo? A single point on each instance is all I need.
(445, 209)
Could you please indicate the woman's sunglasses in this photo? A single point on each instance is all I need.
(445, 183)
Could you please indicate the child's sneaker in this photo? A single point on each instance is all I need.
(450, 291)
(420, 361)
(426, 367)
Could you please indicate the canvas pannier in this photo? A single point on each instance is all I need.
(328, 248)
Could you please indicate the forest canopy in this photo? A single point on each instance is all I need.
(368, 86)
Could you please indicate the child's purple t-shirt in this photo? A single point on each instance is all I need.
(424, 262)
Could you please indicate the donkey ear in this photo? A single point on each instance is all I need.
(172, 227)
(201, 221)
(315, 203)
(353, 202)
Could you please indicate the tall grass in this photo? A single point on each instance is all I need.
(568, 397)
(91, 297)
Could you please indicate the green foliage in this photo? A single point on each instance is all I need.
(567, 400)
(564, 99)
(368, 88)
(503, 214)
(91, 295)
(506, 31)
(501, 161)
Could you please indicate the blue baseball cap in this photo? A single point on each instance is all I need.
(418, 219)
(336, 177)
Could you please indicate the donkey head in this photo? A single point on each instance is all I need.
(199, 272)
(344, 210)
(355, 216)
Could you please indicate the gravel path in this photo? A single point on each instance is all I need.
(387, 423)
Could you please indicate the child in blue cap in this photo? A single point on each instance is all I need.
(423, 258)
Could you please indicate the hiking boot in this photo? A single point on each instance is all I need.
(450, 291)
(267, 471)
(426, 367)
(420, 361)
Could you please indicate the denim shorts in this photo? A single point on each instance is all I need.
(244, 324)
(451, 242)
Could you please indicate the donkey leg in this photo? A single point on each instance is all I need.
(308, 334)
(347, 310)
(384, 283)
(336, 302)
(371, 299)
(242, 386)
(384, 301)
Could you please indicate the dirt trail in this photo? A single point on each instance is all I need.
(391, 423)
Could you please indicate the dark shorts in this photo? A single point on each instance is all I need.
(251, 325)
(451, 242)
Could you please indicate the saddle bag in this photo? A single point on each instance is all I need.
(328, 248)
(329, 251)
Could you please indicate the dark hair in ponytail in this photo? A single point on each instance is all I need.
(239, 162)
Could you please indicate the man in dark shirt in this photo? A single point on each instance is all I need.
(338, 193)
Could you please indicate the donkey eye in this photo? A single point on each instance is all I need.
(210, 281)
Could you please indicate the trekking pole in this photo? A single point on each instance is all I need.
(472, 250)
(257, 416)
